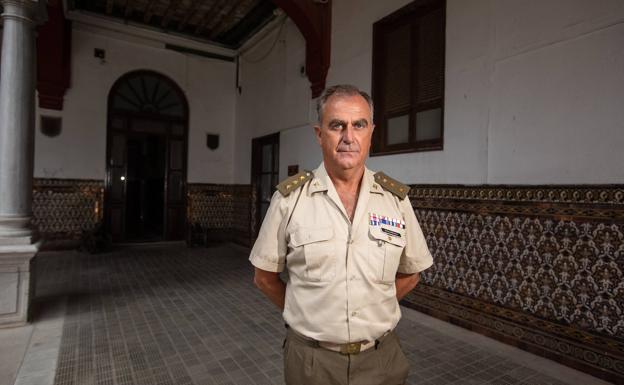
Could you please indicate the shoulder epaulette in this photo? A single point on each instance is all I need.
(291, 183)
(392, 185)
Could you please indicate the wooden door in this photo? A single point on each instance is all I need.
(176, 183)
(116, 176)
(146, 110)
(264, 172)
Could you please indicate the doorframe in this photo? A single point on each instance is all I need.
(127, 117)
(256, 169)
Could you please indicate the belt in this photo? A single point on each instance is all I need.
(348, 348)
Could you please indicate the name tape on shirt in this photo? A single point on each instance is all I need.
(378, 220)
(390, 232)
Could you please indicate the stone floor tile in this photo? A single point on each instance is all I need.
(173, 315)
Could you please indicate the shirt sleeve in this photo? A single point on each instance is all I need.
(416, 256)
(269, 250)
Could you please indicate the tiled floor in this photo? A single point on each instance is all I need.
(192, 316)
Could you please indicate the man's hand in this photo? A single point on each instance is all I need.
(405, 283)
(271, 285)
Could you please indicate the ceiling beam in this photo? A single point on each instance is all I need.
(203, 17)
(207, 18)
(191, 11)
(148, 13)
(109, 6)
(129, 9)
(169, 13)
(225, 20)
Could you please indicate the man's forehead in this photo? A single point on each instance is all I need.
(346, 105)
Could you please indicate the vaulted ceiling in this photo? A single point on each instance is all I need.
(225, 22)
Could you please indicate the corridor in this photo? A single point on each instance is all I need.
(177, 315)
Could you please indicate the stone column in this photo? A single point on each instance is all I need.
(18, 244)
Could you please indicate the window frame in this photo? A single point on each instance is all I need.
(408, 14)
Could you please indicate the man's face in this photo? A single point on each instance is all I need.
(345, 132)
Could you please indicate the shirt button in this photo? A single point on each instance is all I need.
(353, 314)
(353, 277)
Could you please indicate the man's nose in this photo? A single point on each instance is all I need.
(347, 134)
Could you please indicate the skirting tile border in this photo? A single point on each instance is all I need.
(593, 354)
(573, 202)
(559, 212)
(575, 194)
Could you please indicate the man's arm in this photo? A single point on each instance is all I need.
(405, 283)
(272, 286)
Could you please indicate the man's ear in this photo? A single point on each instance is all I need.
(317, 132)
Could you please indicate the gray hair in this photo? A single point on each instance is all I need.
(340, 90)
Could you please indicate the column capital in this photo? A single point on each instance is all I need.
(31, 11)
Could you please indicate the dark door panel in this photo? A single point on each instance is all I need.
(264, 172)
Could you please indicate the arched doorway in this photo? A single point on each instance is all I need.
(146, 156)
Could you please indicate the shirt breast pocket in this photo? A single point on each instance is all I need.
(318, 248)
(385, 252)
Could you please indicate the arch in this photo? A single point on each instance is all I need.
(146, 158)
(313, 18)
(148, 92)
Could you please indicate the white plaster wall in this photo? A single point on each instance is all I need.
(557, 91)
(274, 95)
(298, 146)
(533, 93)
(80, 150)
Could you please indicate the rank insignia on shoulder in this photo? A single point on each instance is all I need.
(291, 183)
(392, 185)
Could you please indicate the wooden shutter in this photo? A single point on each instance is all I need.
(408, 78)
(396, 85)
(430, 57)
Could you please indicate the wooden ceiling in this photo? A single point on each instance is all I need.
(224, 22)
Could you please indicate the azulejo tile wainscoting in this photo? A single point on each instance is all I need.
(539, 267)
(224, 210)
(64, 208)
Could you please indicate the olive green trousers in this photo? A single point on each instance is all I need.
(305, 363)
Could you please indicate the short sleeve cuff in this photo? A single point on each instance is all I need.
(412, 267)
(267, 264)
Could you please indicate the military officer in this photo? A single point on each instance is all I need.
(352, 246)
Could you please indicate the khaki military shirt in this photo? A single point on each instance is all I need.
(341, 274)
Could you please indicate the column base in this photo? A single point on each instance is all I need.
(16, 282)
(16, 230)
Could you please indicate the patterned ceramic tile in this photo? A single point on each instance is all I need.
(224, 207)
(63, 208)
(529, 256)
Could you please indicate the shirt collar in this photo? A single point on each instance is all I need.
(321, 181)
(374, 187)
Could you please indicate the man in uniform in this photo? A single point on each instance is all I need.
(352, 247)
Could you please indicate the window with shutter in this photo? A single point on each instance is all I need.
(408, 79)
